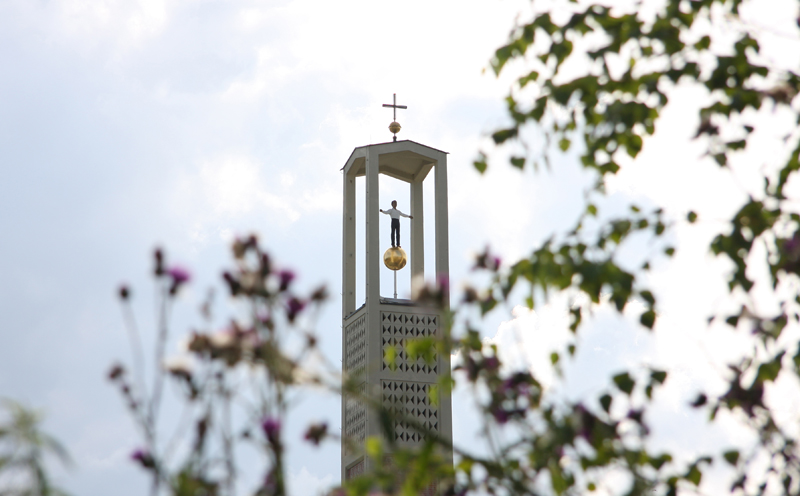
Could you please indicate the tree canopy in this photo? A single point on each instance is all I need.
(597, 79)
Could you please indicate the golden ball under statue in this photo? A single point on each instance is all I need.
(395, 258)
(394, 127)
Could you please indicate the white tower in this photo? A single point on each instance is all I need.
(370, 329)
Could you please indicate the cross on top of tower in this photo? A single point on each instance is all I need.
(394, 127)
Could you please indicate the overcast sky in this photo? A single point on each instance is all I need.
(126, 125)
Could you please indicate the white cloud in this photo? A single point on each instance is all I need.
(126, 24)
(305, 483)
(233, 186)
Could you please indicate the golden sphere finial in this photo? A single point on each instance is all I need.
(394, 127)
(394, 258)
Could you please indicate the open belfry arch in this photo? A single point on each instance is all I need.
(383, 322)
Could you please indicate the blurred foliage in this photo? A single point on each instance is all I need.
(23, 448)
(233, 382)
(629, 64)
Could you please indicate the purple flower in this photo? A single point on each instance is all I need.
(294, 307)
(143, 457)
(233, 283)
(286, 277)
(178, 274)
(272, 429)
(517, 384)
(487, 260)
(500, 415)
(472, 368)
(491, 363)
(495, 263)
(316, 432)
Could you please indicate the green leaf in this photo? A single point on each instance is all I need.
(374, 447)
(703, 44)
(691, 217)
(731, 457)
(634, 145)
(591, 210)
(532, 76)
(554, 358)
(736, 145)
(557, 479)
(504, 135)
(624, 382)
(518, 162)
(648, 319)
(390, 355)
(605, 402)
(659, 376)
(769, 371)
(564, 143)
(480, 163)
(694, 475)
(699, 401)
(575, 319)
(669, 251)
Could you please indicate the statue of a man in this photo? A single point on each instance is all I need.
(395, 215)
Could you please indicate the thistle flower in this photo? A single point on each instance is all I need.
(178, 274)
(294, 307)
(124, 292)
(316, 432)
(272, 429)
(286, 277)
(144, 458)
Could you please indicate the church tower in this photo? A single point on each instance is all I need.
(380, 325)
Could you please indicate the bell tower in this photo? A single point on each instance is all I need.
(379, 326)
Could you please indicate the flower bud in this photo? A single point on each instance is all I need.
(316, 432)
(117, 371)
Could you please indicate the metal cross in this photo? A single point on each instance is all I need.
(394, 106)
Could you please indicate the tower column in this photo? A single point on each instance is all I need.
(373, 283)
(417, 236)
(349, 245)
(442, 240)
(372, 206)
